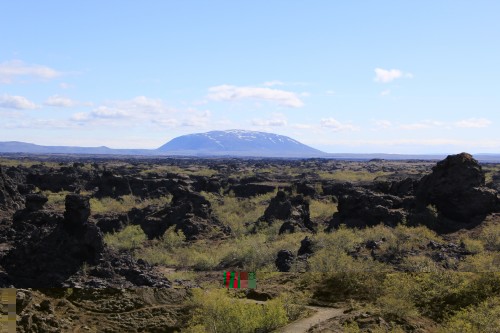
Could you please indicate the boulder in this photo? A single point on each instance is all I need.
(305, 189)
(456, 187)
(77, 210)
(35, 202)
(280, 208)
(306, 247)
(111, 223)
(284, 260)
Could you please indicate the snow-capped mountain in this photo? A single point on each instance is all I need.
(238, 143)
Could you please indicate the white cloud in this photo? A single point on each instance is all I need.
(383, 124)
(330, 92)
(64, 85)
(302, 126)
(424, 124)
(81, 116)
(138, 109)
(388, 75)
(197, 119)
(336, 125)
(473, 123)
(109, 113)
(170, 122)
(427, 124)
(15, 68)
(144, 104)
(386, 92)
(60, 101)
(231, 93)
(16, 102)
(273, 83)
(278, 119)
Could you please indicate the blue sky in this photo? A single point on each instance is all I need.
(365, 76)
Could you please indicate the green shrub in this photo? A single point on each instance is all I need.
(217, 312)
(411, 238)
(172, 239)
(341, 240)
(472, 245)
(321, 209)
(124, 203)
(131, 237)
(293, 305)
(334, 261)
(490, 235)
(56, 200)
(344, 286)
(481, 318)
(481, 262)
(351, 327)
(421, 264)
(235, 212)
(156, 254)
(398, 295)
(440, 294)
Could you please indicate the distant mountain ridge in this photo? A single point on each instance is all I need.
(230, 143)
(31, 148)
(238, 143)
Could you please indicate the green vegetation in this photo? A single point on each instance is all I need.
(351, 176)
(490, 236)
(235, 212)
(481, 318)
(322, 210)
(249, 252)
(130, 238)
(402, 274)
(163, 169)
(215, 311)
(124, 204)
(56, 201)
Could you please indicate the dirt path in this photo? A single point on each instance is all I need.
(302, 325)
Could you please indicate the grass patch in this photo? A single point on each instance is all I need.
(351, 176)
(130, 238)
(124, 203)
(321, 210)
(235, 212)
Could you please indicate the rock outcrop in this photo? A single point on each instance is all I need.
(456, 187)
(9, 195)
(189, 212)
(51, 250)
(284, 260)
(362, 207)
(294, 212)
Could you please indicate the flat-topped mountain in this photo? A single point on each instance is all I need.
(238, 143)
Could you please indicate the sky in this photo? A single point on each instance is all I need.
(341, 76)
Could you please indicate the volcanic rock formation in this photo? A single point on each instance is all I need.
(50, 250)
(189, 212)
(294, 212)
(9, 195)
(457, 188)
